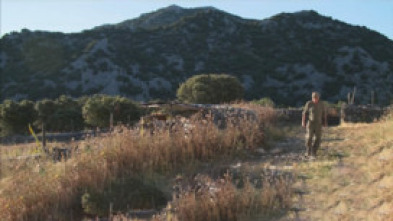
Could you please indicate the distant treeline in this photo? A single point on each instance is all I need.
(66, 113)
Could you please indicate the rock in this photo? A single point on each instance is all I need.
(276, 150)
(260, 151)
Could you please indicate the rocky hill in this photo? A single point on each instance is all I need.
(284, 57)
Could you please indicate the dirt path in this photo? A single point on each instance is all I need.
(313, 184)
(350, 180)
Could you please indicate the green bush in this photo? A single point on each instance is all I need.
(210, 89)
(68, 115)
(16, 116)
(62, 114)
(96, 111)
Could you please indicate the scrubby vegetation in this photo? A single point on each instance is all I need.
(66, 114)
(181, 168)
(133, 169)
(210, 89)
(98, 108)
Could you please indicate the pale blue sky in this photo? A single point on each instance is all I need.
(76, 15)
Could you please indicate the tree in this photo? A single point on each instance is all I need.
(97, 109)
(15, 117)
(62, 114)
(45, 108)
(210, 89)
(68, 115)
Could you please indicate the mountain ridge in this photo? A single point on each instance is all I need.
(283, 57)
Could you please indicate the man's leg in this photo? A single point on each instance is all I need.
(309, 136)
(318, 137)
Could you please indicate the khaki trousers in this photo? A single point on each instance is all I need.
(313, 129)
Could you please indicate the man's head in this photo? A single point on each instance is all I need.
(315, 97)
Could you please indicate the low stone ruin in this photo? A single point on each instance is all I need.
(223, 114)
(295, 115)
(361, 113)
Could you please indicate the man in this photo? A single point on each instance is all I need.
(316, 116)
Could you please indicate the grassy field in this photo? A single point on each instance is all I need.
(128, 169)
(353, 177)
(189, 175)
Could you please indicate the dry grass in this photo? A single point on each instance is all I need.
(360, 188)
(44, 190)
(222, 200)
(21, 157)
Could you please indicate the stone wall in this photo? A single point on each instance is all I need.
(362, 113)
(290, 115)
(348, 113)
(295, 115)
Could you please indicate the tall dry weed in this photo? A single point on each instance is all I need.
(222, 200)
(54, 191)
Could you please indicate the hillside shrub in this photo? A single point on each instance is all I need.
(97, 109)
(68, 115)
(62, 114)
(210, 89)
(16, 116)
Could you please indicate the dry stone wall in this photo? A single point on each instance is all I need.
(348, 113)
(362, 113)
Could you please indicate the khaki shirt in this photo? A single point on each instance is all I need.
(316, 112)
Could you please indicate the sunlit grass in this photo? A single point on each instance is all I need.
(40, 189)
(361, 185)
